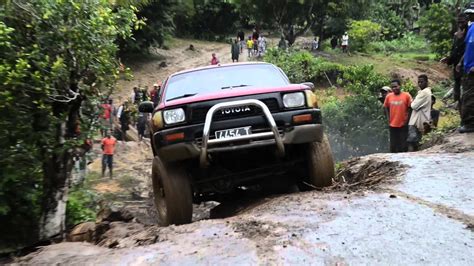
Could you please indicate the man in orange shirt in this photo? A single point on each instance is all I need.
(397, 106)
(108, 149)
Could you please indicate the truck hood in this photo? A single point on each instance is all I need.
(244, 91)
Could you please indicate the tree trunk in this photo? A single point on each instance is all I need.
(57, 171)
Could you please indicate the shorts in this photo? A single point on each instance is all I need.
(107, 160)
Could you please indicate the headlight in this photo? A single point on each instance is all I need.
(292, 100)
(174, 116)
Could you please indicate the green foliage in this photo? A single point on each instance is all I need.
(53, 56)
(363, 32)
(82, 206)
(303, 66)
(363, 80)
(357, 124)
(156, 25)
(408, 43)
(210, 20)
(436, 24)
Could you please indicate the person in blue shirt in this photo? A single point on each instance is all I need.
(467, 98)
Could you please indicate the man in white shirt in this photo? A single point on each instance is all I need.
(420, 115)
(345, 42)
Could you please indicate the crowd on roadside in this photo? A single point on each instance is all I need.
(126, 114)
(409, 119)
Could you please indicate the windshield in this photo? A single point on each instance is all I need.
(223, 78)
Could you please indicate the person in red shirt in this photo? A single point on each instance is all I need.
(397, 107)
(108, 149)
(214, 60)
(105, 117)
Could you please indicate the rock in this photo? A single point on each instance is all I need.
(84, 232)
(119, 233)
(163, 64)
(114, 214)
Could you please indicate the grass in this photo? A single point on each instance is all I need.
(383, 63)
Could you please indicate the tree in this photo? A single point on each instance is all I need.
(57, 58)
(436, 24)
(292, 18)
(362, 32)
(158, 16)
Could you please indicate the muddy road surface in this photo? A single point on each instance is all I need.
(400, 209)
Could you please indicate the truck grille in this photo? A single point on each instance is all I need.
(198, 115)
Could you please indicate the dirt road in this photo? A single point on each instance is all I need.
(421, 212)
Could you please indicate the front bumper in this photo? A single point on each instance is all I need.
(191, 146)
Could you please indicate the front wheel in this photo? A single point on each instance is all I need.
(172, 193)
(320, 164)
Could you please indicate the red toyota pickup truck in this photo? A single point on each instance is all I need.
(221, 128)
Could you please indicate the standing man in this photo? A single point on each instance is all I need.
(384, 91)
(333, 42)
(282, 45)
(155, 94)
(315, 44)
(397, 104)
(105, 117)
(241, 37)
(108, 149)
(250, 46)
(421, 114)
(235, 51)
(345, 42)
(457, 51)
(467, 97)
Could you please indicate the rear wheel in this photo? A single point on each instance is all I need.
(320, 164)
(172, 193)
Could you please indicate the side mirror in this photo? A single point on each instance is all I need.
(309, 84)
(146, 107)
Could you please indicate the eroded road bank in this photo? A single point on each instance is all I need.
(392, 209)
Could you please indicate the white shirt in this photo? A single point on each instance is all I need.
(421, 106)
(345, 39)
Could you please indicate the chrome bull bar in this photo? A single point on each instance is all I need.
(267, 114)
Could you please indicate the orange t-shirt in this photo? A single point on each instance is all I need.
(109, 145)
(398, 106)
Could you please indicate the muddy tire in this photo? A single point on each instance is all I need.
(172, 193)
(320, 164)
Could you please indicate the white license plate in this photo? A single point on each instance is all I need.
(233, 132)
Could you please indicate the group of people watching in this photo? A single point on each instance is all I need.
(461, 59)
(126, 114)
(408, 118)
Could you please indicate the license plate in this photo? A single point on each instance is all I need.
(233, 132)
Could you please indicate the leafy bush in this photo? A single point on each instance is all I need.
(363, 32)
(408, 43)
(303, 66)
(81, 206)
(436, 25)
(363, 80)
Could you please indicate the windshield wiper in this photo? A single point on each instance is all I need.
(234, 86)
(182, 96)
